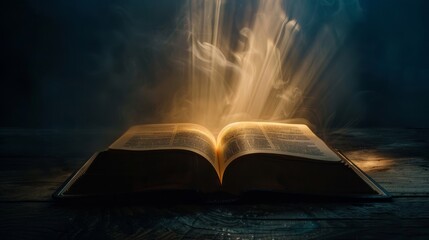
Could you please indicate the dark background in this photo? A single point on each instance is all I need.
(86, 63)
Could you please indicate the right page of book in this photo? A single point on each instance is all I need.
(241, 138)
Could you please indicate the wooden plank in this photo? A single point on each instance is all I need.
(34, 178)
(400, 176)
(295, 220)
(398, 159)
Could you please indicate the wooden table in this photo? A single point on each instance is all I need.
(35, 162)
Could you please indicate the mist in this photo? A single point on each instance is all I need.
(266, 60)
(109, 64)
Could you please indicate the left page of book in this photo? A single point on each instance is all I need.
(183, 136)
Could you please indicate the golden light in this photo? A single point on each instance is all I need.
(250, 69)
(370, 160)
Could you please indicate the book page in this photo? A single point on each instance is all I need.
(298, 140)
(184, 136)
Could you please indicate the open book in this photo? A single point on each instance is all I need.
(244, 157)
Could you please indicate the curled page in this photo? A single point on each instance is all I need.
(184, 136)
(298, 140)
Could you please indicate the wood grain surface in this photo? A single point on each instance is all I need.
(35, 162)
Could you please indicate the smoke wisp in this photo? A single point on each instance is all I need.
(262, 60)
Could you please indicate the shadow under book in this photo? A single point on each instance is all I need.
(246, 157)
